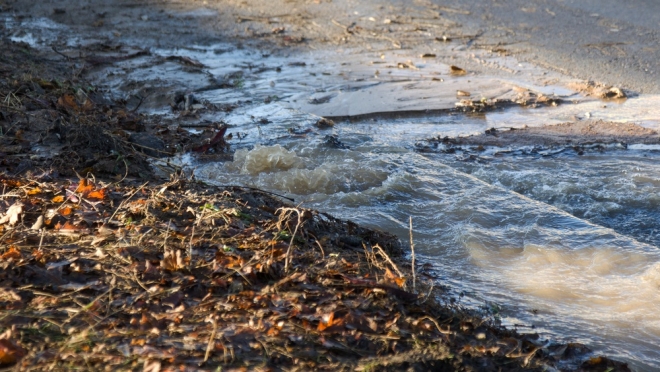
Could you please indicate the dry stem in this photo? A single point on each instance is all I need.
(412, 249)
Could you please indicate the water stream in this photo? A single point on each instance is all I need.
(566, 243)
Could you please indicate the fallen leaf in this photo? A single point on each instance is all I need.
(392, 278)
(326, 321)
(66, 211)
(38, 224)
(34, 191)
(84, 187)
(12, 252)
(58, 199)
(13, 214)
(172, 260)
(10, 353)
(98, 194)
(70, 102)
(151, 366)
(457, 70)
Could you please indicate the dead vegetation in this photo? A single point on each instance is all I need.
(182, 276)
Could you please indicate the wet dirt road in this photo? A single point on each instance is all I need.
(612, 42)
(604, 40)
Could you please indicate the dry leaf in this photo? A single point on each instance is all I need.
(172, 260)
(326, 321)
(457, 70)
(84, 187)
(12, 252)
(151, 366)
(9, 352)
(38, 224)
(58, 199)
(98, 194)
(34, 191)
(66, 211)
(69, 101)
(13, 214)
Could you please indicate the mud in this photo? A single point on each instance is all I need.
(579, 133)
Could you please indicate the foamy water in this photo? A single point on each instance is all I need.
(502, 230)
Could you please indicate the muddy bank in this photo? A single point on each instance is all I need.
(580, 133)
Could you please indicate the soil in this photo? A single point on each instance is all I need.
(109, 262)
(581, 133)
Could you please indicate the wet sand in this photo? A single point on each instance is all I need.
(586, 132)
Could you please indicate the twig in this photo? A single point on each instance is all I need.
(60, 53)
(209, 346)
(125, 200)
(286, 212)
(41, 241)
(428, 295)
(257, 189)
(388, 259)
(449, 332)
(412, 249)
(190, 249)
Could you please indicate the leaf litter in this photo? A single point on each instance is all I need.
(120, 274)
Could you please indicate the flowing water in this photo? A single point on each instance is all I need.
(566, 243)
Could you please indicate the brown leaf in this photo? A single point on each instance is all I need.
(12, 252)
(88, 190)
(172, 260)
(217, 141)
(66, 211)
(84, 187)
(394, 279)
(151, 366)
(10, 353)
(457, 70)
(34, 191)
(326, 321)
(68, 101)
(98, 194)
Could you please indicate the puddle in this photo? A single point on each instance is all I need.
(566, 243)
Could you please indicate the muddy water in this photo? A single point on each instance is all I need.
(563, 243)
(566, 243)
(558, 243)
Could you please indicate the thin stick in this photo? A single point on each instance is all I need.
(41, 241)
(209, 346)
(190, 249)
(286, 212)
(124, 201)
(412, 249)
(377, 249)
